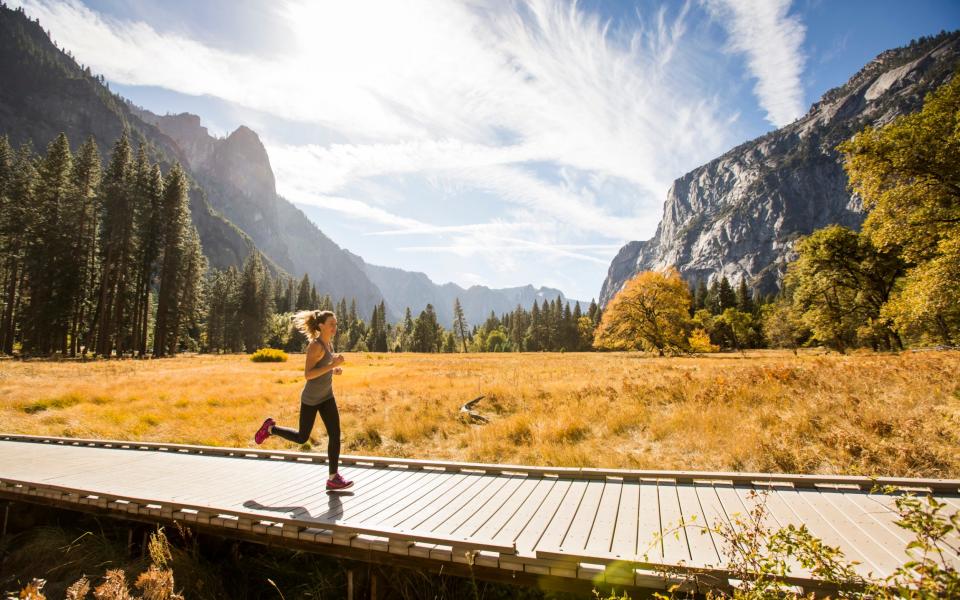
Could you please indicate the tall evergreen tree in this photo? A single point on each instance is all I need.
(700, 296)
(149, 226)
(726, 297)
(47, 316)
(16, 227)
(303, 294)
(86, 184)
(176, 215)
(117, 222)
(459, 323)
(744, 297)
(254, 291)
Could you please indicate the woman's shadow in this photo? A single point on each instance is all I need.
(334, 506)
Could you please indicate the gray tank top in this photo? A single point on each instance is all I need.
(320, 389)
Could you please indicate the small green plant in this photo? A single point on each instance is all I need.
(269, 355)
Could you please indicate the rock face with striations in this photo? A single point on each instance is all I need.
(237, 175)
(740, 215)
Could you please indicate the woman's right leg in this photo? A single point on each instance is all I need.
(308, 416)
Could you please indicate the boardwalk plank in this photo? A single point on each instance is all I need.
(526, 527)
(605, 518)
(579, 530)
(702, 550)
(431, 487)
(449, 486)
(559, 525)
(649, 541)
(499, 501)
(675, 547)
(624, 541)
(507, 526)
(453, 505)
(791, 501)
(470, 508)
(849, 530)
(470, 484)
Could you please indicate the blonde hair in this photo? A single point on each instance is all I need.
(308, 322)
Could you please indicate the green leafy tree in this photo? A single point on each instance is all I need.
(839, 283)
(906, 172)
(782, 326)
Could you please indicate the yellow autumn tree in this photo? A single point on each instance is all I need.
(908, 176)
(651, 312)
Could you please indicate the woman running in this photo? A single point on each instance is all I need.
(320, 327)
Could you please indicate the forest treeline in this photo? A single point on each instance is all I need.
(103, 260)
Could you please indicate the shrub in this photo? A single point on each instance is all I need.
(269, 355)
(699, 341)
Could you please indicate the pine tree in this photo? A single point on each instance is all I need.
(459, 323)
(216, 311)
(117, 221)
(86, 182)
(744, 298)
(175, 211)
(700, 296)
(253, 295)
(533, 339)
(232, 336)
(188, 312)
(149, 204)
(726, 297)
(16, 225)
(303, 294)
(47, 316)
(577, 315)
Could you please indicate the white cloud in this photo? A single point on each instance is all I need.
(772, 42)
(355, 209)
(501, 99)
(440, 77)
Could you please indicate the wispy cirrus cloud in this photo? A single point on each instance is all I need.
(771, 39)
(490, 103)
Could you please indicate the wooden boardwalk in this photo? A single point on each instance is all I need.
(596, 524)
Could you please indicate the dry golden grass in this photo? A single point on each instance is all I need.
(872, 414)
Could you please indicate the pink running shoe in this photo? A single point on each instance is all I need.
(264, 432)
(338, 483)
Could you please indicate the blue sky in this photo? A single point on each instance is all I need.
(487, 141)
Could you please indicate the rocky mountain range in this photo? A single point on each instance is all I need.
(741, 214)
(233, 197)
(408, 288)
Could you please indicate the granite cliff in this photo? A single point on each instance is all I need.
(741, 214)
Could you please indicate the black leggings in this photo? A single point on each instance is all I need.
(308, 416)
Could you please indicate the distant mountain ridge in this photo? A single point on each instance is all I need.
(740, 215)
(416, 290)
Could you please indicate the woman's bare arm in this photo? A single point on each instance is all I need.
(315, 352)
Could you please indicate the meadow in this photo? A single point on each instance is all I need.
(863, 413)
